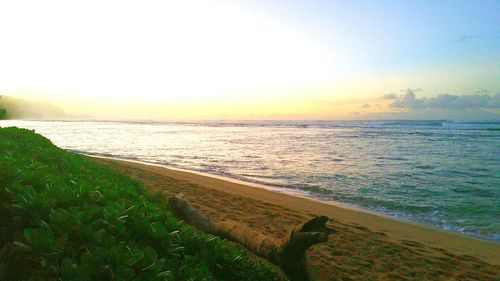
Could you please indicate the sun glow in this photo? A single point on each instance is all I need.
(157, 51)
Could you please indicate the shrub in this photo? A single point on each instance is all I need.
(65, 217)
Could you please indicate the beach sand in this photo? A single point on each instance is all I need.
(364, 245)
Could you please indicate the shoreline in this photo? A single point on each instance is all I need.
(278, 189)
(395, 229)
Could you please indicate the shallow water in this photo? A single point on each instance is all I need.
(437, 173)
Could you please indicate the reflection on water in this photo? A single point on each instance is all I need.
(438, 173)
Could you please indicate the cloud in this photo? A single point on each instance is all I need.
(464, 38)
(390, 96)
(415, 90)
(448, 102)
(408, 100)
(482, 91)
(365, 105)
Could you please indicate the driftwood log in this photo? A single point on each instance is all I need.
(288, 253)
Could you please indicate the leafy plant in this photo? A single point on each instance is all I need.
(63, 217)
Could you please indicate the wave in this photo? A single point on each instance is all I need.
(427, 123)
(436, 124)
(491, 125)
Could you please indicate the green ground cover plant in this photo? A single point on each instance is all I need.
(3, 114)
(63, 217)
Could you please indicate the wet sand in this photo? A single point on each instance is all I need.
(365, 245)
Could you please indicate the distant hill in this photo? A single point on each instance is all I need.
(27, 109)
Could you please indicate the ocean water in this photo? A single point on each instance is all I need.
(439, 173)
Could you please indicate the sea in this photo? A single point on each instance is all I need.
(438, 173)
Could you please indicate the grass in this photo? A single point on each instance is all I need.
(63, 217)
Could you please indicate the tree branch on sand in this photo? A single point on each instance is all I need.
(289, 252)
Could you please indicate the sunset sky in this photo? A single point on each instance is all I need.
(254, 59)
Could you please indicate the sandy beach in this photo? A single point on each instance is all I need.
(364, 245)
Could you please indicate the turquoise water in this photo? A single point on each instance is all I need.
(439, 173)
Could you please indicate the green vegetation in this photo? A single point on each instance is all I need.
(63, 217)
(27, 109)
(3, 114)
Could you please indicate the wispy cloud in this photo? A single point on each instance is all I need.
(415, 90)
(482, 91)
(464, 38)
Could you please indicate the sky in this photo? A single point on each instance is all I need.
(254, 59)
